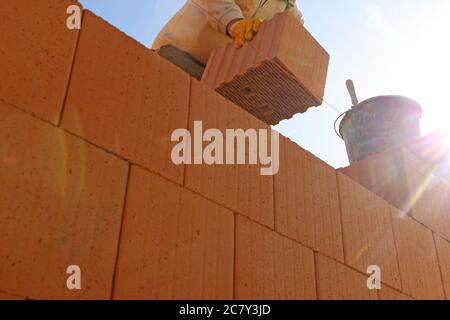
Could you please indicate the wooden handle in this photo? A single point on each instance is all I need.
(352, 92)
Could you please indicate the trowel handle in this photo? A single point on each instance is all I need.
(352, 91)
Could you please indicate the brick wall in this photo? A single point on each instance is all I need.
(86, 179)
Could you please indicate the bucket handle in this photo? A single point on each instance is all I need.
(335, 122)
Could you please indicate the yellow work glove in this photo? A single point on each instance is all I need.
(244, 30)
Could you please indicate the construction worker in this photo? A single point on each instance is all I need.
(204, 25)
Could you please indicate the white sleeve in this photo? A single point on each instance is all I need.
(220, 12)
(297, 13)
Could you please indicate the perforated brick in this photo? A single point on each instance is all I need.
(443, 252)
(5, 296)
(240, 187)
(125, 98)
(307, 201)
(387, 293)
(174, 244)
(419, 269)
(270, 266)
(336, 281)
(36, 55)
(280, 73)
(367, 231)
(408, 183)
(61, 203)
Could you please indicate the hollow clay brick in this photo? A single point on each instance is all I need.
(125, 98)
(241, 188)
(270, 266)
(387, 293)
(174, 244)
(408, 183)
(336, 281)
(61, 203)
(443, 252)
(280, 73)
(430, 200)
(417, 257)
(367, 231)
(434, 149)
(384, 174)
(307, 201)
(36, 55)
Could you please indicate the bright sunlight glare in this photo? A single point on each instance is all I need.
(421, 68)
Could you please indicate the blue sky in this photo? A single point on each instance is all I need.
(385, 46)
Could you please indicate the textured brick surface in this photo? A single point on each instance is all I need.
(270, 266)
(383, 174)
(36, 55)
(387, 293)
(443, 252)
(238, 187)
(429, 196)
(435, 150)
(60, 204)
(418, 262)
(126, 98)
(336, 281)
(408, 183)
(367, 231)
(280, 73)
(5, 296)
(307, 201)
(175, 244)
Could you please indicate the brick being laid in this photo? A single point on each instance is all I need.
(174, 244)
(36, 56)
(61, 203)
(336, 281)
(280, 73)
(443, 253)
(307, 201)
(367, 231)
(240, 187)
(125, 98)
(418, 261)
(271, 266)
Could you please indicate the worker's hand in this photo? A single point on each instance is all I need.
(244, 30)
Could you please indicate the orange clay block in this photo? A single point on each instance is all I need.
(241, 188)
(383, 174)
(408, 183)
(336, 281)
(443, 252)
(307, 201)
(368, 232)
(434, 149)
(174, 245)
(5, 296)
(387, 293)
(61, 203)
(270, 266)
(429, 196)
(36, 55)
(278, 74)
(419, 269)
(125, 98)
